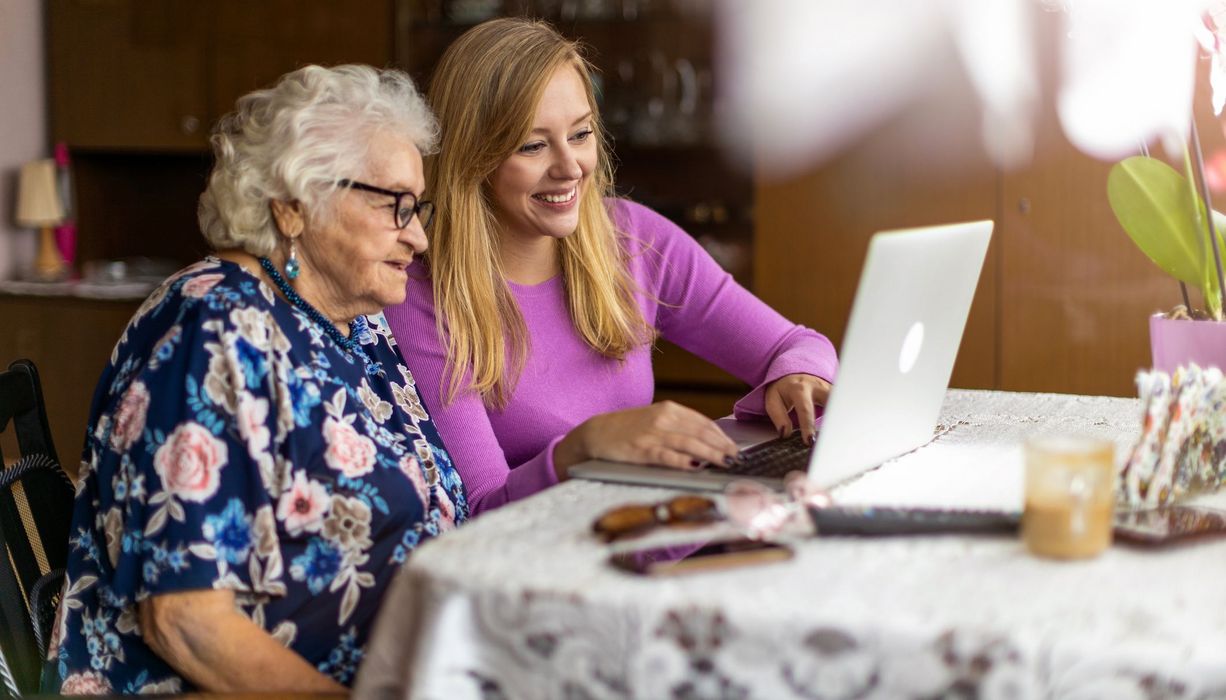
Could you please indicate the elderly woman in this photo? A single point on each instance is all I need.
(258, 460)
(542, 294)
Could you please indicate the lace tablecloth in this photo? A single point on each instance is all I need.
(521, 603)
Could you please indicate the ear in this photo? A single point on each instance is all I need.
(289, 217)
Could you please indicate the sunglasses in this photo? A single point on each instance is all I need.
(637, 518)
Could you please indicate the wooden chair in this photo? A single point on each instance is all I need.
(35, 514)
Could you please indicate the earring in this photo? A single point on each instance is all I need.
(291, 265)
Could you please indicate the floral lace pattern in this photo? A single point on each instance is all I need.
(236, 447)
(546, 616)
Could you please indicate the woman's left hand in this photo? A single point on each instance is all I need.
(799, 393)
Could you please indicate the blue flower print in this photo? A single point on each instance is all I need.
(230, 532)
(342, 663)
(304, 396)
(317, 566)
(253, 361)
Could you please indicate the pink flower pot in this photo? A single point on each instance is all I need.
(1180, 342)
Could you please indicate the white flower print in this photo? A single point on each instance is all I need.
(348, 524)
(407, 375)
(252, 416)
(408, 401)
(303, 506)
(218, 384)
(349, 452)
(112, 525)
(379, 409)
(130, 417)
(254, 326)
(190, 462)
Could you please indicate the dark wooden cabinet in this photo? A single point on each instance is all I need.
(135, 87)
(154, 75)
(129, 74)
(70, 341)
(254, 43)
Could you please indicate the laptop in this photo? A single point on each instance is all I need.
(902, 338)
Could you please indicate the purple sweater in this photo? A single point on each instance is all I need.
(504, 455)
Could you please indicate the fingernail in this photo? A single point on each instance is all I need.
(730, 461)
(812, 440)
(695, 463)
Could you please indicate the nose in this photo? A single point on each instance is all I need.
(565, 164)
(414, 236)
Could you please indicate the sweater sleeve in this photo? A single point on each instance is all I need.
(463, 424)
(705, 311)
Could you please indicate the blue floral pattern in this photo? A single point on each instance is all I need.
(234, 446)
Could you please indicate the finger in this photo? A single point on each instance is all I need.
(806, 415)
(694, 447)
(821, 392)
(691, 422)
(778, 411)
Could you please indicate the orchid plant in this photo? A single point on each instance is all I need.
(1164, 212)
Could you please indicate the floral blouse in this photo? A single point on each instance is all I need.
(233, 445)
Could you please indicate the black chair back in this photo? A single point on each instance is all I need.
(35, 515)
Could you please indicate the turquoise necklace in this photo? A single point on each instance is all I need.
(356, 327)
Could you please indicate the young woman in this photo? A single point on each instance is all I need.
(529, 328)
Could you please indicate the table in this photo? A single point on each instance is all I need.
(520, 603)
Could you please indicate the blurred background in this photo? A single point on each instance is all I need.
(132, 88)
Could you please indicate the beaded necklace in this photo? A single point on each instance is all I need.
(349, 344)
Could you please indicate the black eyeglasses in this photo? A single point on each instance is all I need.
(403, 214)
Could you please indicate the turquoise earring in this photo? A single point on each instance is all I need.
(292, 268)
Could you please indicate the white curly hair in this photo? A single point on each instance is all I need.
(293, 141)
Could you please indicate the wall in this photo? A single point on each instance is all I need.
(22, 119)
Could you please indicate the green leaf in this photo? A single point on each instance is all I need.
(1160, 211)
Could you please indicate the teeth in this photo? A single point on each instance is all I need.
(557, 198)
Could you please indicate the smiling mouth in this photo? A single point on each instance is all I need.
(399, 265)
(557, 199)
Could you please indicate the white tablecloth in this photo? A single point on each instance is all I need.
(521, 603)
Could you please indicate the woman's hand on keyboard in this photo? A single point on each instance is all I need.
(664, 433)
(799, 393)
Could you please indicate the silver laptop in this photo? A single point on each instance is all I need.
(898, 353)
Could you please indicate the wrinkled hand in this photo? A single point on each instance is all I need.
(664, 433)
(799, 393)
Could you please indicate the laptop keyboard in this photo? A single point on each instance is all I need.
(773, 458)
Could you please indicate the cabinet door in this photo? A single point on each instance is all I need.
(70, 341)
(128, 74)
(257, 42)
(812, 229)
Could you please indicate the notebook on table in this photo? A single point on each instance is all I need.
(898, 353)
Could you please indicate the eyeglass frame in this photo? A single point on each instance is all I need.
(418, 204)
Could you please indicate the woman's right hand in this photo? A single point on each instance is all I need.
(664, 433)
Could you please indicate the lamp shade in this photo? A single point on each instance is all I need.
(38, 202)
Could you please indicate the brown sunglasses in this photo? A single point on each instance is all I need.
(636, 518)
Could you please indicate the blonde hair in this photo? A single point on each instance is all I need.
(485, 91)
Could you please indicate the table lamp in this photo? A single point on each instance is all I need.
(38, 205)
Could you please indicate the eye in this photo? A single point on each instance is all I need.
(582, 136)
(533, 147)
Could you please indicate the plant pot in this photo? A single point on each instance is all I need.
(1183, 341)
